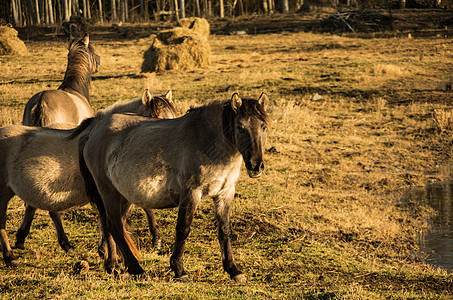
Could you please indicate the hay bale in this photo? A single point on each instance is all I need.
(177, 49)
(10, 44)
(198, 25)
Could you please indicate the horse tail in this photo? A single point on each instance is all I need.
(79, 129)
(33, 113)
(95, 197)
(132, 246)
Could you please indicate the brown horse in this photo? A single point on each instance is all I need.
(63, 108)
(170, 163)
(70, 103)
(40, 165)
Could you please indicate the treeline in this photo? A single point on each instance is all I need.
(35, 12)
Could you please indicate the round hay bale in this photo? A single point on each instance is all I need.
(10, 44)
(198, 25)
(177, 49)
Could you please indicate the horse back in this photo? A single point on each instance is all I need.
(56, 106)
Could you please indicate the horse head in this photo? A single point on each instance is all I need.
(158, 106)
(248, 131)
(82, 47)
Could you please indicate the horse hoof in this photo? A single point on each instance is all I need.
(240, 278)
(11, 263)
(114, 270)
(20, 246)
(67, 248)
(183, 279)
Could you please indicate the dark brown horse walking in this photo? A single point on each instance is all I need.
(170, 163)
(65, 107)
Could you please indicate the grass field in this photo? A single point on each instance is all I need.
(352, 130)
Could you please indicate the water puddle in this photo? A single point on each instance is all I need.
(437, 243)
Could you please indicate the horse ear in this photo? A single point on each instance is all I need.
(262, 100)
(86, 39)
(236, 102)
(146, 98)
(169, 95)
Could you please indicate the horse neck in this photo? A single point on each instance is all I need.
(77, 77)
(208, 129)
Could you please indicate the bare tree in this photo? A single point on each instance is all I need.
(285, 6)
(222, 9)
(197, 8)
(16, 12)
(101, 13)
(182, 10)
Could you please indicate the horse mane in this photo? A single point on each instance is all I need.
(79, 129)
(78, 71)
(249, 108)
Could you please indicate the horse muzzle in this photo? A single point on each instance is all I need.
(254, 172)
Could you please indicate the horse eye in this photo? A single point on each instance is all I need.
(264, 127)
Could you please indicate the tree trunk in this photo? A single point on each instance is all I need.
(182, 9)
(88, 9)
(285, 6)
(17, 13)
(113, 10)
(123, 5)
(31, 15)
(65, 10)
(51, 16)
(222, 9)
(101, 13)
(175, 4)
(84, 9)
(197, 8)
(402, 4)
(36, 12)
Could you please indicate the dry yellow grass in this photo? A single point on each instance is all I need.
(326, 221)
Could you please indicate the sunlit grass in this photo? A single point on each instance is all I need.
(324, 222)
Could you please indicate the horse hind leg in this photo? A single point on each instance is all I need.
(61, 235)
(153, 228)
(115, 227)
(24, 228)
(5, 195)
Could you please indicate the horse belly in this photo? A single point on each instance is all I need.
(146, 186)
(48, 178)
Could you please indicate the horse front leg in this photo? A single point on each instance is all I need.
(223, 209)
(24, 228)
(153, 228)
(188, 205)
(8, 256)
(61, 235)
